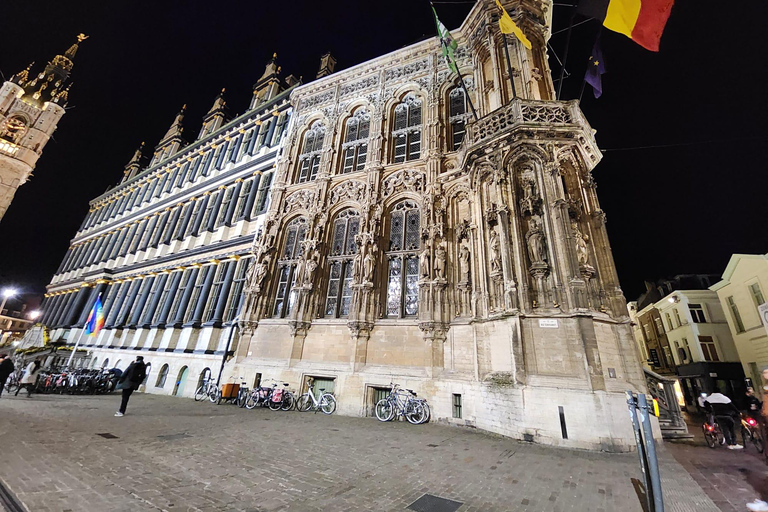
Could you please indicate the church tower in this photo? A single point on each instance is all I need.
(30, 108)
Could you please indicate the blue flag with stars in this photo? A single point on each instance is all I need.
(595, 70)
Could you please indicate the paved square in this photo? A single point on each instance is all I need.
(175, 454)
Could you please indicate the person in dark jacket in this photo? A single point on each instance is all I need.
(6, 369)
(754, 405)
(130, 381)
(721, 407)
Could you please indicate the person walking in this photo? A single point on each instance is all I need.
(724, 411)
(30, 377)
(6, 369)
(130, 381)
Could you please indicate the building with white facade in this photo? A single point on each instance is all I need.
(741, 292)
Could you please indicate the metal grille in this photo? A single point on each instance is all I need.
(430, 503)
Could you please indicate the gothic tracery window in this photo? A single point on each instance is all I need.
(355, 147)
(309, 160)
(406, 130)
(341, 263)
(403, 261)
(457, 117)
(296, 232)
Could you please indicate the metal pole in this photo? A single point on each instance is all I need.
(565, 55)
(509, 65)
(77, 344)
(653, 461)
(466, 92)
(632, 404)
(226, 350)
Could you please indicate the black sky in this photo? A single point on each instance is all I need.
(680, 209)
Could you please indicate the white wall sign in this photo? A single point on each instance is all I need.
(548, 323)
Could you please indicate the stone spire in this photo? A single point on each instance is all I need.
(49, 84)
(133, 167)
(176, 128)
(268, 86)
(172, 141)
(216, 116)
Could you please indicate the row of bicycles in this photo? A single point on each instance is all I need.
(276, 397)
(402, 403)
(62, 380)
(750, 433)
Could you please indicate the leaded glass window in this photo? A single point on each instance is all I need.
(457, 117)
(296, 231)
(403, 261)
(235, 292)
(309, 160)
(341, 261)
(406, 131)
(355, 147)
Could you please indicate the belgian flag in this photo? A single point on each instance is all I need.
(642, 21)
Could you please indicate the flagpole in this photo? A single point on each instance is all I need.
(567, 44)
(77, 344)
(509, 65)
(466, 92)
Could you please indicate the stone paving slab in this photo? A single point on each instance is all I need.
(175, 454)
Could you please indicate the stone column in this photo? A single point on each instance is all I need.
(197, 314)
(150, 312)
(173, 286)
(142, 301)
(221, 300)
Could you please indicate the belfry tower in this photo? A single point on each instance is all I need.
(30, 108)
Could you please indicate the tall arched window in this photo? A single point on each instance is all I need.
(457, 117)
(162, 376)
(403, 261)
(355, 147)
(309, 160)
(406, 130)
(343, 250)
(289, 259)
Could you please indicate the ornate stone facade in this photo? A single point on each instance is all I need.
(466, 259)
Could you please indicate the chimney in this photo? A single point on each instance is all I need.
(327, 64)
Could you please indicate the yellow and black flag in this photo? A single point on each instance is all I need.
(508, 26)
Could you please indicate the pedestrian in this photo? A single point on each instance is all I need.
(6, 369)
(30, 377)
(760, 505)
(754, 405)
(722, 408)
(130, 381)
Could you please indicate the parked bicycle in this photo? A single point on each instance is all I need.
(260, 396)
(281, 399)
(750, 432)
(308, 402)
(239, 398)
(712, 433)
(208, 389)
(402, 402)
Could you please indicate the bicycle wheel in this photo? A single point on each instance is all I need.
(304, 403)
(415, 413)
(12, 387)
(384, 410)
(275, 406)
(213, 393)
(427, 412)
(757, 440)
(327, 403)
(288, 402)
(241, 399)
(200, 394)
(250, 401)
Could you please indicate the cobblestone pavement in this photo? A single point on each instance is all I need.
(175, 454)
(731, 478)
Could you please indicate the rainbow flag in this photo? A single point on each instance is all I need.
(642, 21)
(95, 319)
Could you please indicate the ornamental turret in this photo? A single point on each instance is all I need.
(172, 141)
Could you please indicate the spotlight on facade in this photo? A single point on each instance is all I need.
(9, 292)
(33, 315)
(673, 299)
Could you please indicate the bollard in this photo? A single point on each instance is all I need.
(632, 404)
(653, 461)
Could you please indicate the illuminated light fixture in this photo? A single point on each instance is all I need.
(34, 314)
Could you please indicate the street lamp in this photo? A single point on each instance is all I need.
(34, 314)
(7, 294)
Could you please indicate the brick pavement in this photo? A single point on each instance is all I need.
(174, 454)
(730, 478)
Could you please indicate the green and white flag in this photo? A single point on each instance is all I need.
(447, 42)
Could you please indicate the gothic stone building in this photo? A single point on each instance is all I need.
(465, 259)
(168, 248)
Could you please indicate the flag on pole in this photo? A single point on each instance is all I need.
(595, 70)
(447, 42)
(508, 26)
(642, 21)
(95, 319)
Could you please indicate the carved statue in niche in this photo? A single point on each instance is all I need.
(300, 264)
(369, 263)
(530, 201)
(533, 84)
(311, 266)
(464, 270)
(260, 273)
(495, 246)
(582, 252)
(424, 262)
(440, 256)
(357, 266)
(537, 251)
(373, 223)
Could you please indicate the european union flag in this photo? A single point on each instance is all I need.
(595, 70)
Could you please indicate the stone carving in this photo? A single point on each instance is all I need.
(530, 203)
(369, 263)
(464, 269)
(354, 190)
(310, 267)
(424, 262)
(440, 256)
(316, 100)
(357, 266)
(495, 245)
(409, 179)
(406, 70)
(537, 251)
(582, 252)
(375, 218)
(301, 199)
(542, 113)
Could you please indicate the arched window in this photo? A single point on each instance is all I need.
(146, 374)
(343, 250)
(403, 261)
(289, 259)
(205, 375)
(162, 376)
(105, 364)
(309, 160)
(355, 147)
(406, 130)
(457, 117)
(93, 363)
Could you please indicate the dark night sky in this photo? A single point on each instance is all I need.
(681, 209)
